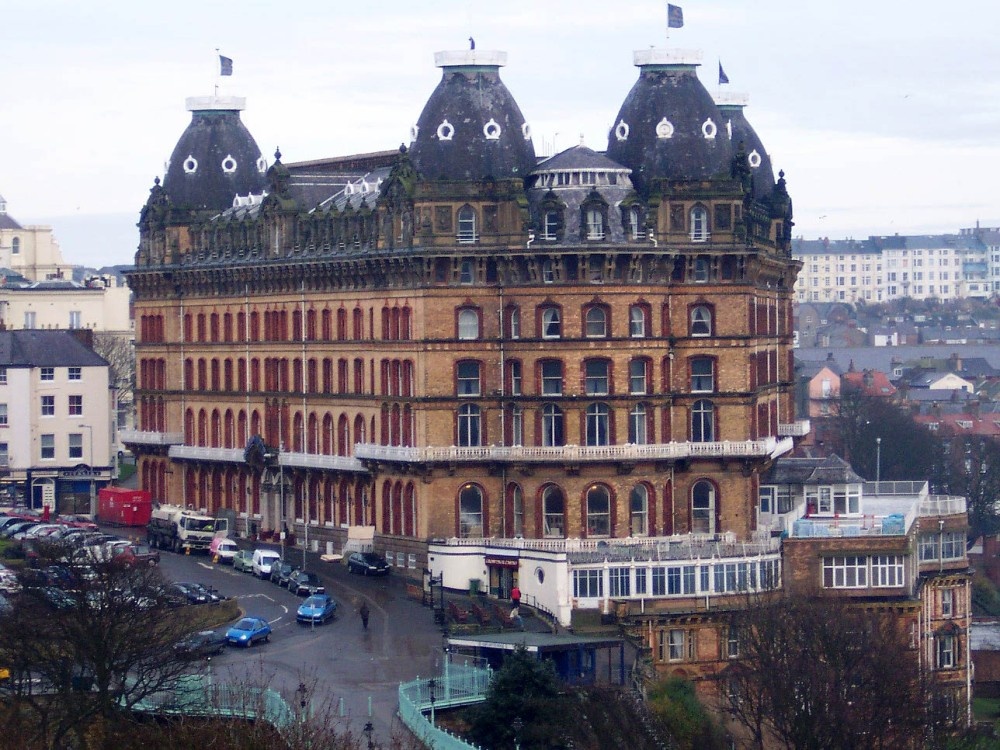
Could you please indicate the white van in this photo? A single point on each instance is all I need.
(223, 549)
(263, 559)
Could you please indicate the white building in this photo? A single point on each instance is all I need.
(100, 304)
(29, 250)
(55, 420)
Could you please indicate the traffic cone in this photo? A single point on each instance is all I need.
(215, 559)
(187, 550)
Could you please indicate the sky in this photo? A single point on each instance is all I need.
(885, 116)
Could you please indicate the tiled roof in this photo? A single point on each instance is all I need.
(38, 348)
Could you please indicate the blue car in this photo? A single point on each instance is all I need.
(318, 608)
(248, 631)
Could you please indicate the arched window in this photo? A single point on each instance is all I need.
(551, 323)
(633, 223)
(469, 426)
(468, 324)
(703, 421)
(553, 512)
(466, 225)
(517, 508)
(703, 507)
(596, 322)
(514, 322)
(638, 432)
(598, 511)
(552, 426)
(637, 321)
(638, 502)
(701, 320)
(699, 224)
(15, 246)
(470, 512)
(598, 425)
(702, 375)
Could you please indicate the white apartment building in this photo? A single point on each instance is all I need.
(99, 304)
(945, 267)
(55, 420)
(29, 250)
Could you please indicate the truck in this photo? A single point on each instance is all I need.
(121, 506)
(183, 529)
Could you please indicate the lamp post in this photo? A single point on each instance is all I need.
(90, 460)
(431, 685)
(369, 728)
(517, 725)
(878, 462)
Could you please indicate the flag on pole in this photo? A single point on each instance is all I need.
(225, 66)
(675, 16)
(723, 78)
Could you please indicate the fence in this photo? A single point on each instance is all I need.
(460, 685)
(194, 695)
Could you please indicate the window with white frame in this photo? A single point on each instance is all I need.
(633, 223)
(466, 225)
(887, 571)
(930, 547)
(945, 651)
(596, 322)
(515, 377)
(76, 406)
(517, 501)
(3, 415)
(3, 375)
(598, 425)
(551, 324)
(48, 406)
(470, 509)
(637, 422)
(639, 510)
(595, 224)
(467, 273)
(638, 380)
(75, 319)
(640, 582)
(947, 602)
(76, 445)
(552, 377)
(549, 271)
(47, 445)
(703, 507)
(597, 377)
(516, 425)
(552, 426)
(553, 512)
(676, 644)
(732, 642)
(469, 426)
(468, 324)
(765, 500)
(74, 373)
(699, 224)
(467, 379)
(598, 511)
(637, 322)
(619, 582)
(47, 374)
(952, 545)
(551, 223)
(701, 321)
(588, 584)
(4, 454)
(845, 572)
(702, 421)
(702, 375)
(29, 319)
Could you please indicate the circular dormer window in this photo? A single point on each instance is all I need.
(492, 130)
(229, 164)
(414, 132)
(754, 159)
(446, 131)
(664, 129)
(190, 165)
(526, 131)
(621, 131)
(709, 129)
(262, 165)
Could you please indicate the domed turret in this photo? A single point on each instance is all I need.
(669, 127)
(471, 127)
(739, 130)
(215, 159)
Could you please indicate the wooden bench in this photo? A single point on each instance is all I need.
(481, 615)
(457, 614)
(502, 615)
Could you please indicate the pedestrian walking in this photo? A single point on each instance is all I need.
(515, 617)
(364, 612)
(515, 596)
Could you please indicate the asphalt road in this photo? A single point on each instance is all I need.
(348, 665)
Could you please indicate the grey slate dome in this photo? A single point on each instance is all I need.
(471, 127)
(669, 127)
(740, 131)
(215, 159)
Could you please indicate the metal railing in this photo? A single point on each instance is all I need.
(460, 685)
(151, 437)
(196, 695)
(942, 505)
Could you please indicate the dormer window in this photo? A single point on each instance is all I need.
(633, 223)
(551, 223)
(467, 225)
(699, 224)
(595, 224)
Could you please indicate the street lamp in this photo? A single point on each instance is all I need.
(90, 461)
(517, 725)
(431, 685)
(878, 462)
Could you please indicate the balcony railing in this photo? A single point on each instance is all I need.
(149, 437)
(290, 460)
(199, 453)
(768, 447)
(942, 505)
(798, 428)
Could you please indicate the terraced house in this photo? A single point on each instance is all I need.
(562, 372)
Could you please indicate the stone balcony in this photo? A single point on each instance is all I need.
(150, 437)
(285, 459)
(798, 428)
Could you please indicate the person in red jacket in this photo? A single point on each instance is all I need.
(515, 596)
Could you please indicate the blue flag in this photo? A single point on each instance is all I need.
(675, 16)
(225, 66)
(723, 78)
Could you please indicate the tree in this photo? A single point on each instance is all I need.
(119, 352)
(674, 703)
(824, 675)
(971, 468)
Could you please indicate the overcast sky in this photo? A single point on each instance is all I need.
(884, 115)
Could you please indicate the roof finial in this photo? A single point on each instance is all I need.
(472, 43)
(277, 154)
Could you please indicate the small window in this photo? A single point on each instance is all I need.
(48, 447)
(703, 508)
(467, 225)
(550, 226)
(598, 425)
(75, 319)
(515, 322)
(48, 374)
(701, 321)
(595, 224)
(29, 319)
(597, 322)
(598, 511)
(470, 509)
(701, 271)
(548, 272)
(552, 426)
(48, 406)
(468, 379)
(637, 421)
(637, 377)
(703, 421)
(15, 246)
(76, 445)
(702, 375)
(75, 373)
(699, 224)
(597, 377)
(637, 322)
(947, 602)
(639, 511)
(553, 510)
(76, 406)
(469, 426)
(945, 651)
(551, 324)
(552, 377)
(466, 273)
(633, 224)
(515, 378)
(3, 415)
(468, 324)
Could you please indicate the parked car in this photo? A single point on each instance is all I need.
(192, 593)
(367, 563)
(243, 561)
(304, 583)
(281, 572)
(263, 559)
(201, 644)
(8, 581)
(248, 631)
(317, 609)
(224, 550)
(212, 594)
(19, 527)
(140, 554)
